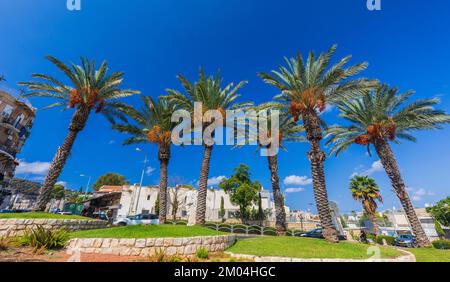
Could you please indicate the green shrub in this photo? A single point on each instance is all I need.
(44, 239)
(442, 244)
(4, 244)
(389, 240)
(175, 259)
(202, 253)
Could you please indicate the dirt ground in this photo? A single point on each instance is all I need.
(19, 254)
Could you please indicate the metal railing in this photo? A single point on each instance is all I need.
(8, 150)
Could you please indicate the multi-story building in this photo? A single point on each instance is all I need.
(16, 120)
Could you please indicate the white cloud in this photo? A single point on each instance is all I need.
(294, 190)
(149, 170)
(216, 180)
(376, 167)
(63, 183)
(297, 180)
(36, 168)
(419, 194)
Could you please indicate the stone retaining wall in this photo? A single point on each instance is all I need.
(16, 227)
(407, 257)
(150, 246)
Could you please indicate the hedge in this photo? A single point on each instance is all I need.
(442, 244)
(389, 240)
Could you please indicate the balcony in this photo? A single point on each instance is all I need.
(17, 127)
(9, 150)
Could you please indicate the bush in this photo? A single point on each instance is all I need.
(4, 244)
(442, 244)
(44, 239)
(389, 240)
(202, 253)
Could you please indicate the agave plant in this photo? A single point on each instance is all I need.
(152, 124)
(381, 117)
(209, 92)
(307, 89)
(91, 90)
(365, 189)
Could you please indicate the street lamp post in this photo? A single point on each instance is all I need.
(87, 186)
(142, 180)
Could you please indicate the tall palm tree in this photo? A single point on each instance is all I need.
(380, 117)
(152, 124)
(209, 92)
(366, 190)
(307, 88)
(288, 131)
(91, 90)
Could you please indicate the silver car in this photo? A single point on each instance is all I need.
(140, 219)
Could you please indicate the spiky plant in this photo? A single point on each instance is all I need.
(152, 124)
(381, 117)
(213, 96)
(307, 88)
(365, 190)
(90, 90)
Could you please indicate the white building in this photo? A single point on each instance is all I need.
(132, 200)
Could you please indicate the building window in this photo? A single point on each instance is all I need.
(148, 198)
(7, 111)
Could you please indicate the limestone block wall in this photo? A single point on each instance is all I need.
(16, 227)
(150, 246)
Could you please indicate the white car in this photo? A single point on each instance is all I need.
(140, 219)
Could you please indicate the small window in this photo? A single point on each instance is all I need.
(148, 198)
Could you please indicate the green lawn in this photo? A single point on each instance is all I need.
(431, 255)
(151, 231)
(39, 215)
(296, 247)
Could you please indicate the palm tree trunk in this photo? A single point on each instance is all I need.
(280, 213)
(390, 165)
(317, 158)
(77, 124)
(164, 156)
(202, 189)
(376, 228)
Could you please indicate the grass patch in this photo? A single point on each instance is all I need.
(296, 247)
(39, 215)
(431, 255)
(148, 231)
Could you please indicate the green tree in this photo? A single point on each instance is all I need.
(152, 124)
(307, 88)
(90, 90)
(378, 118)
(243, 191)
(222, 208)
(110, 179)
(441, 211)
(157, 205)
(365, 190)
(209, 92)
(58, 192)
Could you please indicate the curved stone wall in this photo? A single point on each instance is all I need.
(16, 227)
(150, 246)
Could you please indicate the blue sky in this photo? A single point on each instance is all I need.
(406, 44)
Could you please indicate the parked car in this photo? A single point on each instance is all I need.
(140, 219)
(318, 233)
(407, 241)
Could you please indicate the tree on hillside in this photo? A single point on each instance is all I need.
(110, 179)
(441, 211)
(243, 191)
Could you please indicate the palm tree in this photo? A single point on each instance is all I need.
(378, 118)
(307, 88)
(288, 131)
(366, 190)
(209, 92)
(152, 124)
(91, 90)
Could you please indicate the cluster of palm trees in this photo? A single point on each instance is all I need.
(378, 116)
